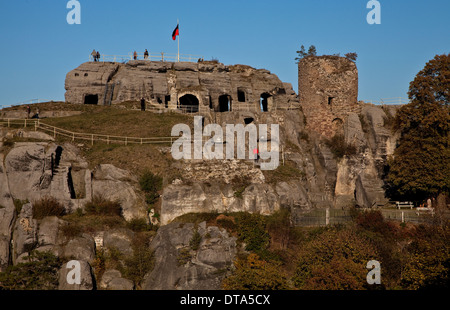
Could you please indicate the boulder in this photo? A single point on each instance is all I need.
(119, 239)
(86, 278)
(112, 280)
(178, 266)
(119, 185)
(80, 248)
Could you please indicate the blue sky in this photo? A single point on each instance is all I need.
(39, 47)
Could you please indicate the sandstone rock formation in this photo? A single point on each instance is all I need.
(207, 85)
(180, 267)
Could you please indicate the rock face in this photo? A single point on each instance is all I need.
(206, 85)
(181, 199)
(179, 267)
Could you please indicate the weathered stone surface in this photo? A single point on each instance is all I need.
(119, 185)
(112, 280)
(25, 233)
(119, 239)
(178, 267)
(181, 199)
(86, 278)
(7, 215)
(80, 248)
(328, 91)
(28, 168)
(48, 231)
(156, 81)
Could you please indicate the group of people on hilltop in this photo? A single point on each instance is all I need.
(95, 55)
(135, 55)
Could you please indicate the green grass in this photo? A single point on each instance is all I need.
(117, 121)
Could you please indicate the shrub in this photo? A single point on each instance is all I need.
(195, 241)
(334, 260)
(47, 206)
(71, 230)
(251, 230)
(101, 206)
(39, 273)
(252, 273)
(139, 225)
(151, 184)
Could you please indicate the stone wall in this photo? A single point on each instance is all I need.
(328, 91)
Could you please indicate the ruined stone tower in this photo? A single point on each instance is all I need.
(328, 91)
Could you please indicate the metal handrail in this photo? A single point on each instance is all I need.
(151, 57)
(390, 101)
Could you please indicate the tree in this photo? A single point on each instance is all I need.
(420, 167)
(301, 53)
(40, 272)
(334, 260)
(312, 51)
(351, 56)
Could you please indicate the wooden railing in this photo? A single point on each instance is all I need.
(37, 124)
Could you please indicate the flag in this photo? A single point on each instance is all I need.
(175, 33)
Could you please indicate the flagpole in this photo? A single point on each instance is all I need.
(178, 57)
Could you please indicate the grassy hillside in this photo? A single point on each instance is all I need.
(118, 121)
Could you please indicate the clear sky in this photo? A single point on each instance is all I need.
(39, 47)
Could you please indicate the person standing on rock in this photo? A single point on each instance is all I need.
(94, 55)
(98, 56)
(146, 54)
(142, 104)
(135, 55)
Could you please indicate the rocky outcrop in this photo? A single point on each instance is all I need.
(119, 185)
(180, 267)
(179, 199)
(211, 86)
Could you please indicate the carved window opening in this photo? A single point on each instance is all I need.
(241, 95)
(224, 103)
(264, 102)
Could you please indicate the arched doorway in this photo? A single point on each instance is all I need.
(224, 103)
(91, 99)
(189, 103)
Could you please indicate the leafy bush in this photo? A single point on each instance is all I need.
(195, 241)
(252, 273)
(428, 263)
(251, 229)
(151, 184)
(47, 206)
(139, 225)
(39, 273)
(101, 206)
(334, 260)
